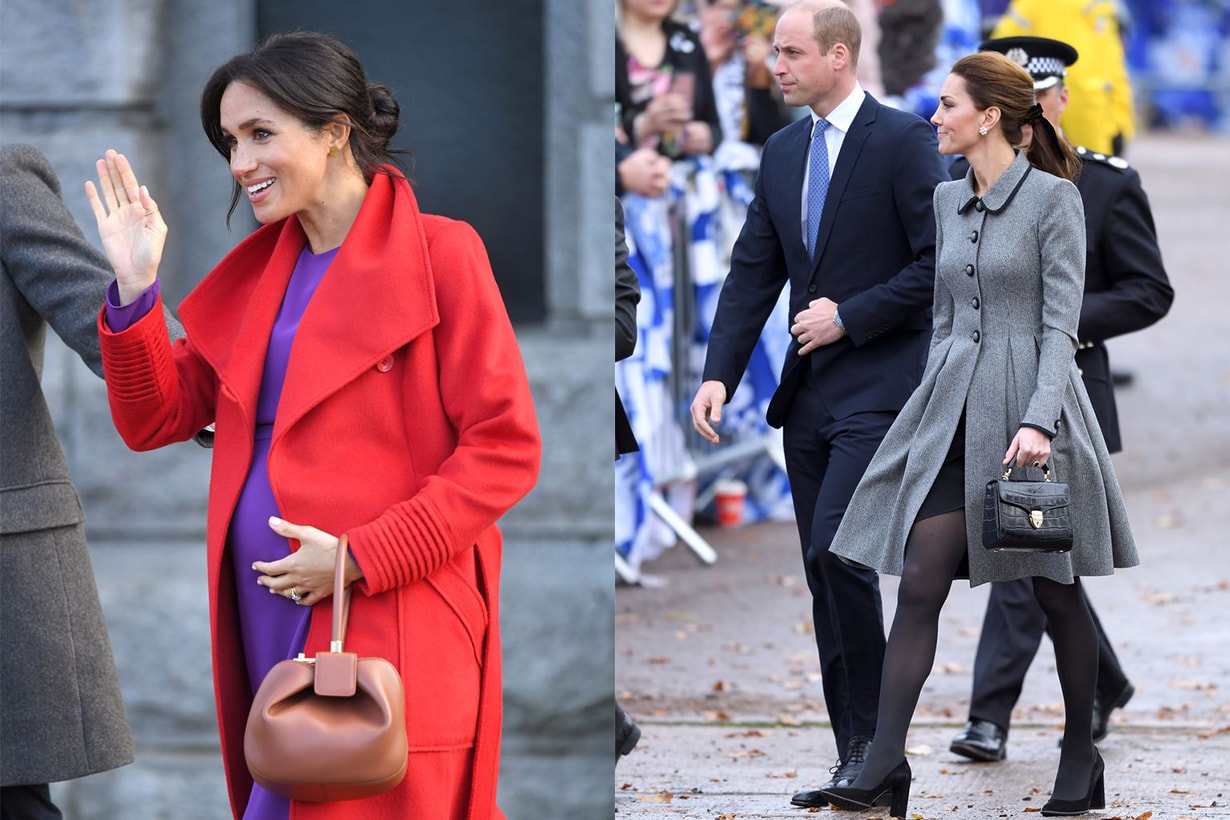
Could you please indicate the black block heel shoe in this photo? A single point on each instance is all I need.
(1095, 798)
(896, 784)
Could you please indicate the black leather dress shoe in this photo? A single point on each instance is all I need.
(981, 740)
(627, 733)
(1103, 706)
(844, 774)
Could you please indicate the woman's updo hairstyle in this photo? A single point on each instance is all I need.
(991, 79)
(314, 77)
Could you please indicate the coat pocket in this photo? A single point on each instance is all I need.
(445, 627)
(463, 599)
(864, 191)
(36, 507)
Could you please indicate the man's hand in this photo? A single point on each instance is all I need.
(707, 408)
(814, 327)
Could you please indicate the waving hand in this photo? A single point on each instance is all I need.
(129, 224)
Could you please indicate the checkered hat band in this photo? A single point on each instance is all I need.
(1045, 65)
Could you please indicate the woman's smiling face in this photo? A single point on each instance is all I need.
(956, 119)
(279, 161)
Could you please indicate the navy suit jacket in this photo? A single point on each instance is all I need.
(875, 257)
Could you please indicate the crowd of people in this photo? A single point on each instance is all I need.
(947, 282)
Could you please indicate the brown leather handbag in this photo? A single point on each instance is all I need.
(331, 727)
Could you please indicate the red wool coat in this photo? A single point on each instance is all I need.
(406, 421)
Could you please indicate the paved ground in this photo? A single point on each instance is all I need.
(719, 664)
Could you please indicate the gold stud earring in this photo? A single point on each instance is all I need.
(334, 150)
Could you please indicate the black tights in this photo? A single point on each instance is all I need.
(933, 554)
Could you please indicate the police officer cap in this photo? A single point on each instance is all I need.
(1044, 59)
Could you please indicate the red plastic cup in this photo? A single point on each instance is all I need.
(730, 497)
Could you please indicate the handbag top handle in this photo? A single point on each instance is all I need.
(341, 595)
(1007, 476)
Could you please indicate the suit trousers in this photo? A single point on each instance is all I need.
(1011, 633)
(825, 459)
(28, 803)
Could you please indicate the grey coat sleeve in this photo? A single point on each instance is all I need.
(1061, 238)
(61, 275)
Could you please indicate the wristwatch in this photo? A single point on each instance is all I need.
(837, 321)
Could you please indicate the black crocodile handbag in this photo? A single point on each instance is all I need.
(1026, 516)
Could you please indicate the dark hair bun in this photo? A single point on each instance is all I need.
(385, 113)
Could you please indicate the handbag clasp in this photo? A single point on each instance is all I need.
(1035, 519)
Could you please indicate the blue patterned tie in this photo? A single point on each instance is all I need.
(817, 183)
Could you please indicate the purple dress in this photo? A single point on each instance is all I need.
(273, 627)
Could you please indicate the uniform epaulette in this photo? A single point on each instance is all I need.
(1094, 156)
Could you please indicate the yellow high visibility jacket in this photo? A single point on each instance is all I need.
(1099, 93)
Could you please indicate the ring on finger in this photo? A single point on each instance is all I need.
(294, 595)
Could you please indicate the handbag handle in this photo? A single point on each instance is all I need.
(341, 594)
(1046, 473)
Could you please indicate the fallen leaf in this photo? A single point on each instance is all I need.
(660, 797)
(745, 753)
(719, 686)
(1199, 686)
(787, 720)
(658, 660)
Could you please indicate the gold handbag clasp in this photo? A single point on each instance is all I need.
(1035, 519)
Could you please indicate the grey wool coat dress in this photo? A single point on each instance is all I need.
(1008, 286)
(61, 715)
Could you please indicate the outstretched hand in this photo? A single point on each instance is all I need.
(129, 224)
